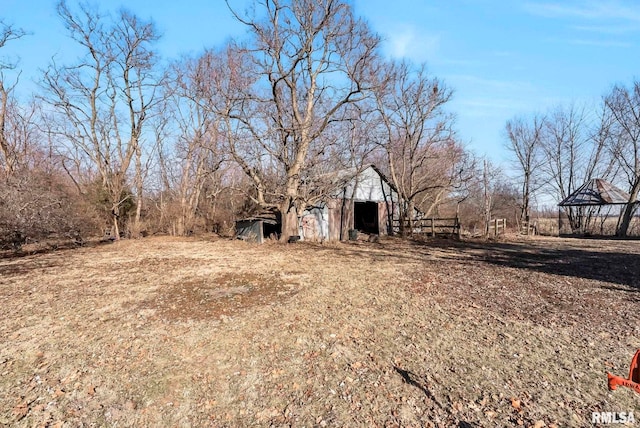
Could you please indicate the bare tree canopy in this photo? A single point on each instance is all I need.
(196, 158)
(101, 103)
(273, 119)
(8, 33)
(8, 148)
(312, 59)
(424, 160)
(624, 143)
(568, 156)
(525, 138)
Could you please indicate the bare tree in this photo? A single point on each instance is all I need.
(198, 145)
(499, 196)
(574, 152)
(487, 197)
(135, 76)
(624, 144)
(601, 161)
(424, 160)
(8, 33)
(311, 58)
(101, 103)
(525, 140)
(564, 143)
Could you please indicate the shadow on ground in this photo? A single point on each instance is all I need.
(613, 261)
(17, 262)
(612, 265)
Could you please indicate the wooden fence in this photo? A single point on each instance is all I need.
(497, 226)
(429, 226)
(528, 227)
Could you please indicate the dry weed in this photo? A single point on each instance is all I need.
(185, 332)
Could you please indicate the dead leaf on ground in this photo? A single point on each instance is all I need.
(515, 403)
(20, 411)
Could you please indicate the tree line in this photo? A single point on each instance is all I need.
(127, 139)
(124, 139)
(557, 151)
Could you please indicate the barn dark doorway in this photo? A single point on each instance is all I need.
(271, 230)
(365, 217)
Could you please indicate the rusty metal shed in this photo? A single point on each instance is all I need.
(259, 227)
(592, 201)
(596, 192)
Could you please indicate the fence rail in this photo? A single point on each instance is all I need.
(497, 226)
(529, 227)
(428, 226)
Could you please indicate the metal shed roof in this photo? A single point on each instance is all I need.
(596, 192)
(269, 216)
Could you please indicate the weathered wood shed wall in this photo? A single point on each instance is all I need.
(366, 201)
(260, 227)
(250, 230)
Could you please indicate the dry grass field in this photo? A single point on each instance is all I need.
(186, 332)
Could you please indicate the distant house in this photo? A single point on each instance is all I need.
(364, 201)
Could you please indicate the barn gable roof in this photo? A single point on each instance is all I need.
(366, 183)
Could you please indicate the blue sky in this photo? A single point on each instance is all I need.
(502, 58)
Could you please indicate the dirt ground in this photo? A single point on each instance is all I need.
(205, 332)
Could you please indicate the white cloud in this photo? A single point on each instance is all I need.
(607, 29)
(490, 84)
(589, 10)
(592, 20)
(600, 43)
(407, 41)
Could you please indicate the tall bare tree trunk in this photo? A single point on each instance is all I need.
(139, 190)
(7, 33)
(7, 152)
(487, 200)
(411, 208)
(629, 210)
(115, 212)
(289, 215)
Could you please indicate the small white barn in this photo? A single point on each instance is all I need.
(363, 201)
